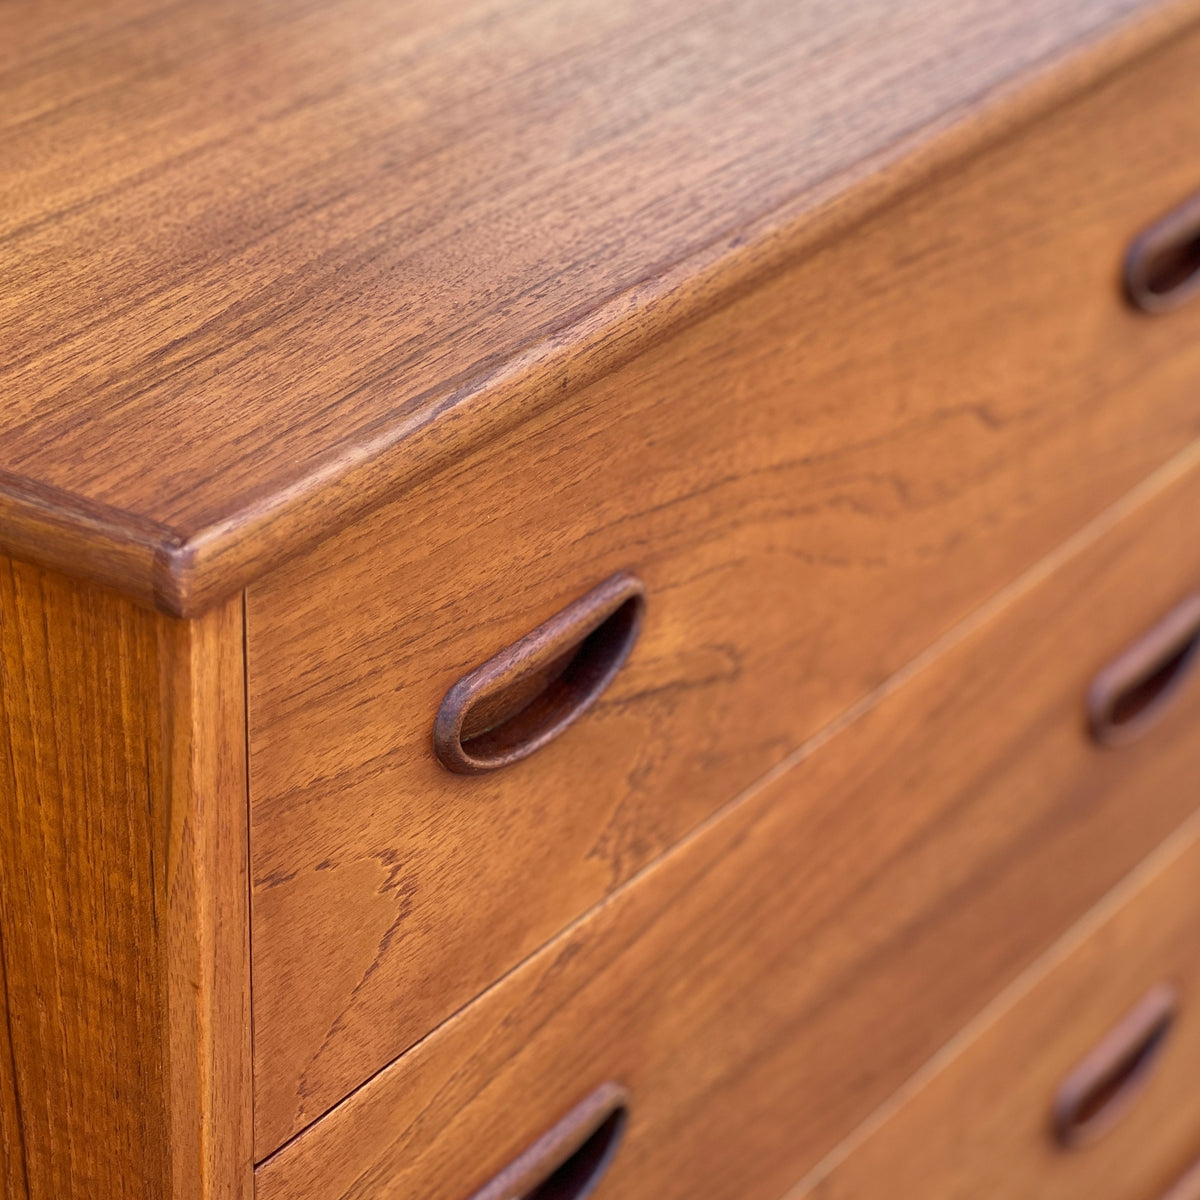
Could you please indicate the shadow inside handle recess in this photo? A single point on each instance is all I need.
(505, 720)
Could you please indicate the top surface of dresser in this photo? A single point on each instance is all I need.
(266, 262)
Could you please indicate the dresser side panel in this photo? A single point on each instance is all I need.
(12, 1157)
(123, 810)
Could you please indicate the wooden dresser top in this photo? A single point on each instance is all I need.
(267, 262)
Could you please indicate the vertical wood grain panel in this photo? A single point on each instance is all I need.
(82, 914)
(12, 1158)
(208, 952)
(122, 858)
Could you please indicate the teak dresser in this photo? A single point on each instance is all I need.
(599, 598)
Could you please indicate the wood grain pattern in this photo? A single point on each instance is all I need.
(980, 1125)
(12, 1155)
(124, 917)
(267, 263)
(765, 986)
(207, 895)
(810, 503)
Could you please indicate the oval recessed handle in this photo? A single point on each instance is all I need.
(1162, 266)
(528, 694)
(1134, 690)
(1099, 1090)
(567, 1162)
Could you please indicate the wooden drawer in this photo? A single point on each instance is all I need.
(814, 483)
(766, 985)
(1078, 1082)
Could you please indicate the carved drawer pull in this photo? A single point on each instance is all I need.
(1097, 1093)
(1162, 268)
(1133, 691)
(526, 695)
(567, 1162)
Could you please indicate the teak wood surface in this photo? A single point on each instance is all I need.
(416, 320)
(123, 897)
(810, 502)
(768, 983)
(980, 1126)
(267, 262)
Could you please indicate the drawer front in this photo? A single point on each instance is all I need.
(766, 985)
(1081, 1084)
(813, 484)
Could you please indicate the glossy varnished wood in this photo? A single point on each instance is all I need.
(762, 988)
(266, 262)
(813, 483)
(979, 1123)
(124, 923)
